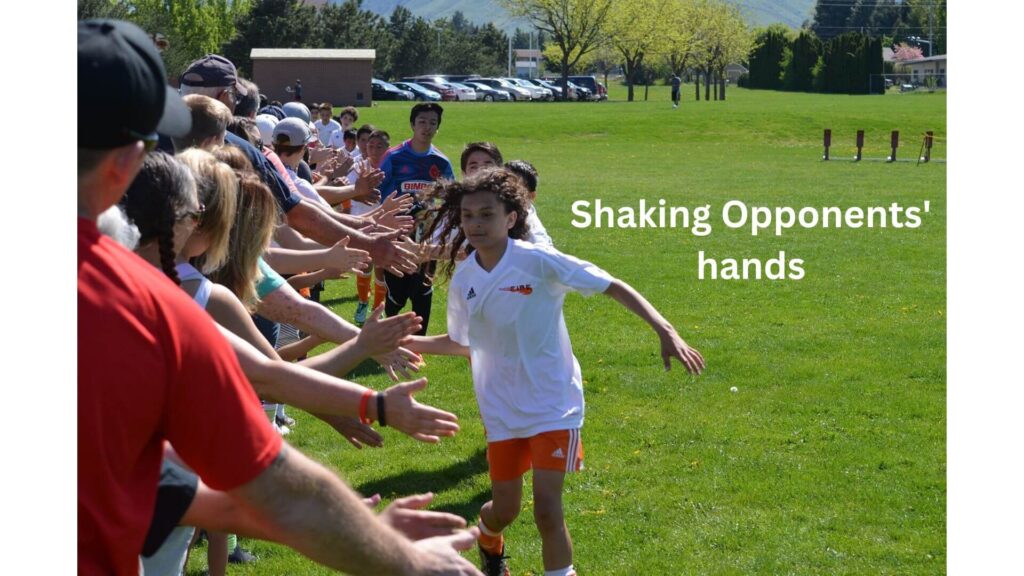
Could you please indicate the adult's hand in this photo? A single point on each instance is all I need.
(388, 255)
(405, 414)
(353, 430)
(344, 258)
(407, 515)
(440, 555)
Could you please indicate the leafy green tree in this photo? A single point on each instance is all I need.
(799, 62)
(635, 28)
(409, 36)
(766, 58)
(575, 26)
(830, 17)
(273, 24)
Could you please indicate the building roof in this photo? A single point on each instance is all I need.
(311, 54)
(527, 53)
(888, 54)
(936, 58)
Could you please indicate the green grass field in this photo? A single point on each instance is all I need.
(831, 457)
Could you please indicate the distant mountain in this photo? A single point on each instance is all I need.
(759, 12)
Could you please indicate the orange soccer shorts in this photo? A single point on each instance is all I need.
(556, 450)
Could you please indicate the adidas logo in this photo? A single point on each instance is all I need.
(558, 453)
(471, 295)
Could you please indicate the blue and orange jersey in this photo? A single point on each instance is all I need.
(408, 171)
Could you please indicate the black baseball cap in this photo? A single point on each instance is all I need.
(212, 71)
(123, 94)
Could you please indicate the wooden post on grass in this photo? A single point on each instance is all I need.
(928, 137)
(828, 142)
(860, 145)
(895, 141)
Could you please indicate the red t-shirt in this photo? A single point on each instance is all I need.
(151, 366)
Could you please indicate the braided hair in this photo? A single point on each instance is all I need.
(447, 216)
(161, 195)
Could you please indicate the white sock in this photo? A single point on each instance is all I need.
(567, 571)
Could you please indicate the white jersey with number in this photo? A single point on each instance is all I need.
(526, 378)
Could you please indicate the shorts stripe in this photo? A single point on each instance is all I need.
(571, 457)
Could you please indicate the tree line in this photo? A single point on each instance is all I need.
(649, 39)
(405, 44)
(841, 50)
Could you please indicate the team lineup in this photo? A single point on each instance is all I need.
(207, 228)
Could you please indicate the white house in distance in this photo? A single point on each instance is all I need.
(923, 68)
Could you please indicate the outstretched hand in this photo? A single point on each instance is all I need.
(344, 258)
(353, 430)
(424, 423)
(407, 516)
(378, 337)
(440, 555)
(672, 346)
(389, 255)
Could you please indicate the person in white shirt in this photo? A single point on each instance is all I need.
(528, 174)
(478, 156)
(326, 125)
(505, 309)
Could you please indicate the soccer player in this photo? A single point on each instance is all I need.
(505, 305)
(412, 168)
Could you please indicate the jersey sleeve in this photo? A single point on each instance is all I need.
(388, 185)
(214, 419)
(458, 315)
(449, 173)
(567, 273)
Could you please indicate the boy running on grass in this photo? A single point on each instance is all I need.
(505, 305)
(412, 168)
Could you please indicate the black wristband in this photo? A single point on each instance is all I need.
(380, 409)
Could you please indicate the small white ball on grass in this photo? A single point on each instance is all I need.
(734, 389)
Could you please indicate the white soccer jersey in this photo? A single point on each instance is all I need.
(537, 233)
(526, 378)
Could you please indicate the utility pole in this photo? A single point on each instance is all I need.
(509, 57)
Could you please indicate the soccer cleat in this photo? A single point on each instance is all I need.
(284, 420)
(361, 309)
(493, 564)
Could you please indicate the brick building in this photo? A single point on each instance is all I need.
(341, 77)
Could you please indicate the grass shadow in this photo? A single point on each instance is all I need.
(436, 481)
(339, 300)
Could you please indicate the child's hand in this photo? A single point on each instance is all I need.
(674, 346)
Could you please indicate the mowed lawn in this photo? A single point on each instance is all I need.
(829, 459)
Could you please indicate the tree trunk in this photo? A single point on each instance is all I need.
(707, 84)
(565, 78)
(696, 86)
(723, 85)
(647, 88)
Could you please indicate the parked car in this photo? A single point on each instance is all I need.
(420, 93)
(386, 91)
(464, 92)
(591, 83)
(545, 92)
(488, 94)
(581, 92)
(536, 93)
(557, 90)
(447, 92)
(516, 92)
(434, 78)
(460, 78)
